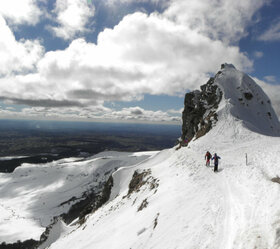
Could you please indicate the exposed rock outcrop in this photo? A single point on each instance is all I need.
(97, 202)
(28, 244)
(199, 111)
(137, 181)
(142, 178)
(276, 179)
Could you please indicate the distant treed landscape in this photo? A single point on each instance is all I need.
(42, 141)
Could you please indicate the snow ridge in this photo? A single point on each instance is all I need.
(246, 101)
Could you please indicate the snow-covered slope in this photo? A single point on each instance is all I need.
(170, 199)
(33, 195)
(190, 206)
(246, 101)
(180, 203)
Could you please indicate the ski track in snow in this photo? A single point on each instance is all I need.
(239, 209)
(234, 212)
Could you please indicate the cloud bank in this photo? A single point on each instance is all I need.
(94, 113)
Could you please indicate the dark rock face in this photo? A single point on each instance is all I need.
(143, 205)
(248, 95)
(28, 244)
(77, 208)
(276, 179)
(199, 111)
(94, 203)
(137, 181)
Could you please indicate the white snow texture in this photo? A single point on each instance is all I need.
(181, 203)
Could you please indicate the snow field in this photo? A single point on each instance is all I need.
(193, 206)
(33, 194)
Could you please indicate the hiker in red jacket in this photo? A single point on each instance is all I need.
(207, 158)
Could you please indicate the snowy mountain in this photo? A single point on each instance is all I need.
(230, 96)
(247, 101)
(167, 199)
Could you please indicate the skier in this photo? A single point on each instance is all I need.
(216, 162)
(207, 158)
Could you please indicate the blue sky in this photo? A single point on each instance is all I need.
(268, 64)
(128, 60)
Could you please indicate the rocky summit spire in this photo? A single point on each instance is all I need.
(199, 112)
(243, 101)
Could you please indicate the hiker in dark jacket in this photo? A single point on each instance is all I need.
(216, 162)
(207, 158)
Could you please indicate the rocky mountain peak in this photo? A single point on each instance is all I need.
(199, 110)
(243, 100)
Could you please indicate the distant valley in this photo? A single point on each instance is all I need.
(45, 141)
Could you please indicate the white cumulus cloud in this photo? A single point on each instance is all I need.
(161, 53)
(218, 19)
(17, 56)
(142, 54)
(72, 17)
(21, 11)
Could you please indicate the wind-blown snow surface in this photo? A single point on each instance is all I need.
(184, 204)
